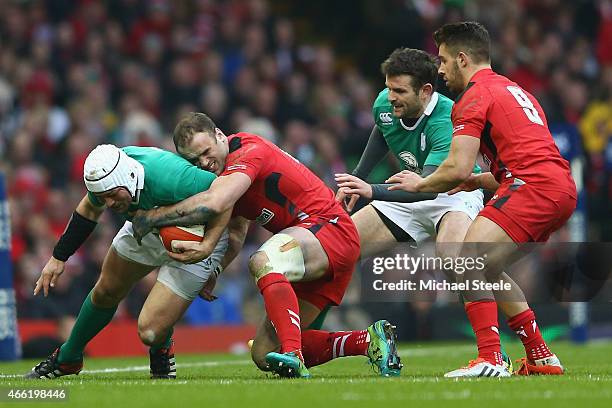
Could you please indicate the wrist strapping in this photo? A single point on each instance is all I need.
(77, 231)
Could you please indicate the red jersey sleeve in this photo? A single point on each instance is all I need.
(248, 160)
(469, 115)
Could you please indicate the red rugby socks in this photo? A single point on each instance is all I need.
(283, 310)
(483, 317)
(320, 346)
(525, 326)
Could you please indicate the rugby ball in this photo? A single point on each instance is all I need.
(191, 233)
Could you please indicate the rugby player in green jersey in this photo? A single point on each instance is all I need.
(413, 121)
(126, 180)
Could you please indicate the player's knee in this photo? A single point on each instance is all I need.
(106, 296)
(149, 333)
(259, 265)
(280, 254)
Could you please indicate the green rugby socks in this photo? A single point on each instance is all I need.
(90, 321)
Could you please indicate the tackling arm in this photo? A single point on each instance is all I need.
(453, 171)
(237, 229)
(197, 209)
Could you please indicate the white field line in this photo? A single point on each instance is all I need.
(404, 353)
(146, 368)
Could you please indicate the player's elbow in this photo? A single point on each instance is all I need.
(460, 172)
(215, 203)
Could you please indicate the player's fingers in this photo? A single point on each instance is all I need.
(352, 201)
(45, 283)
(54, 279)
(209, 297)
(455, 190)
(348, 185)
(340, 195)
(396, 178)
(178, 257)
(395, 187)
(38, 286)
(182, 246)
(352, 191)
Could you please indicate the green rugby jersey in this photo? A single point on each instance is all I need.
(426, 142)
(168, 179)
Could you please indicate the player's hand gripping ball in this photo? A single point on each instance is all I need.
(170, 234)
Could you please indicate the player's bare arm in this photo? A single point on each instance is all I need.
(351, 184)
(197, 209)
(453, 171)
(190, 252)
(237, 229)
(85, 211)
(485, 181)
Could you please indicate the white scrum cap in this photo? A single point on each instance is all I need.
(108, 167)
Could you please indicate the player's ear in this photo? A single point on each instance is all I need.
(219, 135)
(426, 90)
(462, 59)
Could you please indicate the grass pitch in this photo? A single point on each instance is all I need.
(233, 381)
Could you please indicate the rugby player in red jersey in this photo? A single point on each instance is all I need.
(534, 190)
(301, 270)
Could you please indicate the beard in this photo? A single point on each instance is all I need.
(455, 82)
(410, 113)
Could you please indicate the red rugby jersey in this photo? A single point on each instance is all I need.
(513, 132)
(283, 192)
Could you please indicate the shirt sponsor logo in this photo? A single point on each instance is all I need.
(265, 217)
(386, 118)
(410, 161)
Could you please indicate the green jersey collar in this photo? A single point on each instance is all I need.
(140, 175)
(428, 109)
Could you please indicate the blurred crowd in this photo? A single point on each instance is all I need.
(74, 74)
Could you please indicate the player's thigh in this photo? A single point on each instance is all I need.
(316, 262)
(294, 252)
(488, 240)
(117, 277)
(160, 312)
(374, 236)
(451, 233)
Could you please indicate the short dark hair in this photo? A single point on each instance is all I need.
(189, 125)
(469, 37)
(418, 64)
